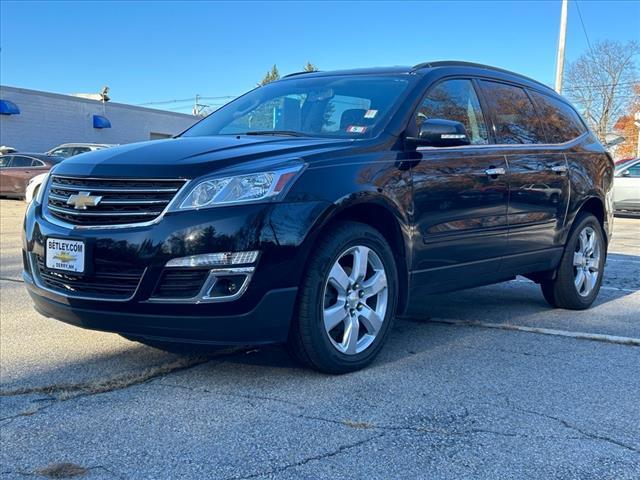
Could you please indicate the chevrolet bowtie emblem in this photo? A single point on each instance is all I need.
(82, 200)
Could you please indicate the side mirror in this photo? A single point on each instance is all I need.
(435, 132)
(626, 173)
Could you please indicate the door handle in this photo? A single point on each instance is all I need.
(494, 172)
(559, 168)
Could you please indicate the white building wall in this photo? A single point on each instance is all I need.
(49, 119)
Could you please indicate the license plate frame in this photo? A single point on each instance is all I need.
(76, 259)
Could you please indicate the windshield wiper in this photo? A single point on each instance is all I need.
(289, 133)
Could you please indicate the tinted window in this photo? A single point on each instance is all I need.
(21, 162)
(514, 116)
(561, 122)
(455, 100)
(37, 163)
(4, 161)
(79, 150)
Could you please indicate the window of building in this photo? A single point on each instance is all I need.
(159, 136)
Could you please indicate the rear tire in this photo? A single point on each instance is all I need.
(579, 274)
(347, 300)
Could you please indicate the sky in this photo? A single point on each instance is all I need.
(162, 51)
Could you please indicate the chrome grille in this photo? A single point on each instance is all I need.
(122, 201)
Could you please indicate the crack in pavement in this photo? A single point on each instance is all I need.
(7, 420)
(11, 280)
(40, 475)
(304, 461)
(584, 433)
(361, 425)
(64, 392)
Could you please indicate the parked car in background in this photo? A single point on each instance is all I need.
(626, 187)
(63, 151)
(67, 150)
(17, 169)
(622, 161)
(315, 208)
(33, 187)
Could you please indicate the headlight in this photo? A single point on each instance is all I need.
(216, 191)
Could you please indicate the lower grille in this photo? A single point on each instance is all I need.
(105, 282)
(97, 201)
(180, 283)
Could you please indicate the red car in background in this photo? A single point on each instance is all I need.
(16, 169)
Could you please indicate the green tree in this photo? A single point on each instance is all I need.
(271, 75)
(310, 67)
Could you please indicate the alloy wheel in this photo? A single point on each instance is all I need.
(355, 300)
(586, 261)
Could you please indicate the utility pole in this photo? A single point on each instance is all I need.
(637, 124)
(561, 44)
(196, 107)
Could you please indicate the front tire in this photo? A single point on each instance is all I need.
(579, 275)
(347, 300)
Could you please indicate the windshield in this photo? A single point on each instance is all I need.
(351, 106)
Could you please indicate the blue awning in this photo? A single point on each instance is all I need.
(7, 107)
(101, 122)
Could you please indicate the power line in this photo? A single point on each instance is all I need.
(183, 100)
(584, 29)
(620, 84)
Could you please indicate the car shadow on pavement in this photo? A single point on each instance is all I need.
(88, 374)
(519, 302)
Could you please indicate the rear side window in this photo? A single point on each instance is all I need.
(561, 122)
(21, 162)
(514, 116)
(37, 163)
(455, 100)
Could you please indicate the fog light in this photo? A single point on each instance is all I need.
(215, 259)
(227, 286)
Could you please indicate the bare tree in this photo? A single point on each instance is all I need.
(600, 83)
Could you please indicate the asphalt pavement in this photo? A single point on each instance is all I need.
(486, 383)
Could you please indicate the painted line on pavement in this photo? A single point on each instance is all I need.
(596, 337)
(603, 287)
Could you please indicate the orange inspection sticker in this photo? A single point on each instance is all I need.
(370, 114)
(356, 129)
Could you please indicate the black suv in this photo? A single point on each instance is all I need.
(314, 209)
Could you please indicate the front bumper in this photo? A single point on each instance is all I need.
(262, 314)
(268, 322)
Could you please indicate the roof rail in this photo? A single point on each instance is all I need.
(294, 74)
(456, 63)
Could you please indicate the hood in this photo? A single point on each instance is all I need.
(191, 157)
